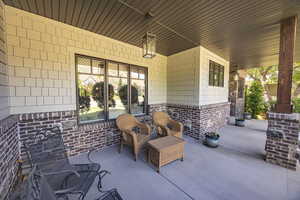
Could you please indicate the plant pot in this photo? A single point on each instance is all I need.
(211, 142)
(240, 122)
(247, 116)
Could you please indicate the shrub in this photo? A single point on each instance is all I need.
(255, 101)
(84, 103)
(296, 105)
(123, 91)
(98, 94)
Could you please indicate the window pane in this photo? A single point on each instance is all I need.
(134, 72)
(117, 97)
(137, 96)
(123, 70)
(216, 75)
(90, 97)
(142, 74)
(211, 74)
(221, 83)
(84, 65)
(113, 69)
(98, 66)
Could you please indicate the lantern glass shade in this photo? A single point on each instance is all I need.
(149, 45)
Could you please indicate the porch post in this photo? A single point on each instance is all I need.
(286, 61)
(283, 127)
(236, 93)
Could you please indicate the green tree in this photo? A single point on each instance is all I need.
(265, 75)
(269, 75)
(98, 94)
(123, 92)
(120, 84)
(255, 100)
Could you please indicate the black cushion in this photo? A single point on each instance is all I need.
(170, 126)
(136, 129)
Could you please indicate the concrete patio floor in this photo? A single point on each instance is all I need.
(236, 170)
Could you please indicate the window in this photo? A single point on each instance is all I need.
(216, 74)
(107, 89)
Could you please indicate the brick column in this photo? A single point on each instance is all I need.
(282, 139)
(232, 92)
(236, 93)
(283, 127)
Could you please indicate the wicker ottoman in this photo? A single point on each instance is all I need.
(164, 150)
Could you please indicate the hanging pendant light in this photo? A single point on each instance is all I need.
(149, 39)
(149, 45)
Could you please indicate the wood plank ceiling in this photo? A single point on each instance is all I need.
(242, 31)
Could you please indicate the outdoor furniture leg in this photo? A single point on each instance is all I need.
(121, 147)
(135, 157)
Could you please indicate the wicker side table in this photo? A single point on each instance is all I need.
(164, 150)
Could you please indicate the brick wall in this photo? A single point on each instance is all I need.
(4, 89)
(282, 139)
(9, 153)
(203, 119)
(84, 137)
(80, 138)
(41, 59)
(237, 103)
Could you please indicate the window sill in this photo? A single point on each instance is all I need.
(103, 121)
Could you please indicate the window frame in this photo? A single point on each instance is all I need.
(216, 74)
(106, 82)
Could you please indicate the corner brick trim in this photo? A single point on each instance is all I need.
(203, 119)
(9, 153)
(216, 105)
(282, 139)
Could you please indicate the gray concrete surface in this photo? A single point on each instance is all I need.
(235, 170)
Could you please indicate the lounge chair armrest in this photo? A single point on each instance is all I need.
(133, 135)
(177, 126)
(66, 191)
(62, 172)
(145, 128)
(165, 129)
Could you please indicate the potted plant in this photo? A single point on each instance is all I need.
(212, 139)
(240, 122)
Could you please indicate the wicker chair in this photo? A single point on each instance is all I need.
(47, 151)
(167, 126)
(130, 136)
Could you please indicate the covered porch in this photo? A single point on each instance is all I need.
(235, 170)
(78, 65)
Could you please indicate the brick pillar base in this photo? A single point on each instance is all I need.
(282, 139)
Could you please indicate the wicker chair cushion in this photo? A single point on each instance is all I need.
(170, 126)
(136, 129)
